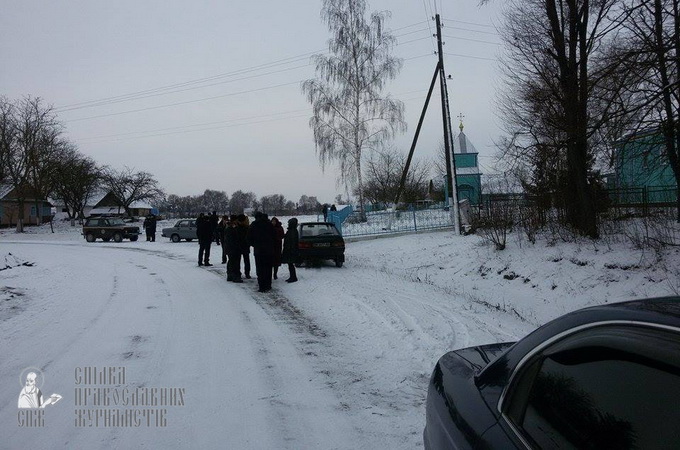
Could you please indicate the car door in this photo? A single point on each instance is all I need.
(187, 229)
(610, 386)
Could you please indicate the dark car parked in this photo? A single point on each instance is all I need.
(183, 229)
(319, 241)
(107, 228)
(606, 377)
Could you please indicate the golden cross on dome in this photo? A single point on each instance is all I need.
(461, 116)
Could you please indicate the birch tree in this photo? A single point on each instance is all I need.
(350, 114)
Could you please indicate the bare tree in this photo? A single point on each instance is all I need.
(309, 204)
(273, 204)
(240, 201)
(29, 134)
(349, 113)
(383, 174)
(651, 58)
(77, 178)
(215, 201)
(129, 186)
(557, 72)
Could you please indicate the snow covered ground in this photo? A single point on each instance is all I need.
(340, 359)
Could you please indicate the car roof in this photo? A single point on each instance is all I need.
(664, 311)
(317, 223)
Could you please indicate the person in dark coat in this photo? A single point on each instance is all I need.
(233, 247)
(152, 228)
(213, 226)
(205, 237)
(278, 242)
(261, 238)
(147, 227)
(221, 229)
(333, 208)
(243, 224)
(325, 211)
(290, 249)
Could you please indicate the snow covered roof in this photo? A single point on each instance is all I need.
(463, 144)
(468, 171)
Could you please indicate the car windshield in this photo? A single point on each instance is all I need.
(318, 229)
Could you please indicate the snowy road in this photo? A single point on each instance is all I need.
(339, 360)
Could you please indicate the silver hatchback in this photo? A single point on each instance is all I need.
(183, 229)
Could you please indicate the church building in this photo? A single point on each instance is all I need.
(468, 176)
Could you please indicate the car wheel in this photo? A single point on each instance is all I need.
(117, 237)
(174, 238)
(89, 237)
(338, 263)
(134, 238)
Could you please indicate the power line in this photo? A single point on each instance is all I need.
(470, 56)
(182, 87)
(259, 116)
(471, 40)
(204, 124)
(472, 31)
(205, 129)
(469, 23)
(196, 81)
(185, 102)
(185, 89)
(429, 27)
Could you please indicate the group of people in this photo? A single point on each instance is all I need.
(325, 209)
(271, 245)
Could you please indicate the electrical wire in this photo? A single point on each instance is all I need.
(469, 23)
(469, 56)
(185, 102)
(182, 87)
(186, 83)
(471, 40)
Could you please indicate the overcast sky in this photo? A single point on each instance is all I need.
(217, 102)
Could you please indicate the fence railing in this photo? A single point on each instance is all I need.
(387, 222)
(647, 195)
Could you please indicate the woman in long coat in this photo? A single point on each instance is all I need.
(290, 249)
(278, 245)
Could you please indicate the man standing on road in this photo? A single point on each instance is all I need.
(214, 220)
(261, 237)
(204, 233)
(233, 247)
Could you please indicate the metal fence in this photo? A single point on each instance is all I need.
(643, 196)
(387, 222)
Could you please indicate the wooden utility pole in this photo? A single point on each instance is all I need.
(448, 135)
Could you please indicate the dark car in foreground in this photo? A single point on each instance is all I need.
(320, 241)
(605, 377)
(183, 229)
(107, 228)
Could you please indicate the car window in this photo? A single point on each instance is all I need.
(184, 223)
(601, 397)
(116, 222)
(318, 230)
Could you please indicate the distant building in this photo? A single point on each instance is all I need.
(468, 176)
(103, 202)
(642, 172)
(9, 206)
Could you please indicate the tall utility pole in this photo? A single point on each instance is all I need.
(448, 136)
